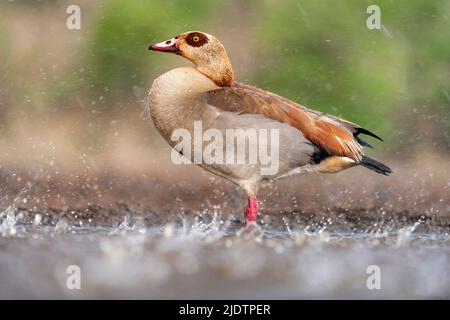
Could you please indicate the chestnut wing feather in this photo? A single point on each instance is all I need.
(332, 134)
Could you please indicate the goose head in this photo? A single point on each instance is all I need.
(204, 51)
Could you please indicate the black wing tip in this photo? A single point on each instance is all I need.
(362, 142)
(367, 132)
(376, 166)
(386, 173)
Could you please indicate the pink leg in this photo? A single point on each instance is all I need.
(251, 211)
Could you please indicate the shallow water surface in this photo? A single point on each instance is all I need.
(209, 255)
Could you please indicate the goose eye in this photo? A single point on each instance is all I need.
(196, 39)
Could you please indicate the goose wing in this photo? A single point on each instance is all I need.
(331, 134)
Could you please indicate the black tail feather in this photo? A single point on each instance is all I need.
(367, 132)
(376, 166)
(363, 142)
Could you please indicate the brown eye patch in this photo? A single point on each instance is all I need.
(196, 39)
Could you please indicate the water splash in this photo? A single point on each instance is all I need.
(62, 226)
(8, 226)
(405, 234)
(190, 255)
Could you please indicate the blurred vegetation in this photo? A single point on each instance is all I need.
(117, 56)
(394, 81)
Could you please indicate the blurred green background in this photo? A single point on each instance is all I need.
(394, 81)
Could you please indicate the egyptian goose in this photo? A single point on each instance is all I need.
(309, 141)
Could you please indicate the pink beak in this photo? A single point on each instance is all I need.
(166, 46)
